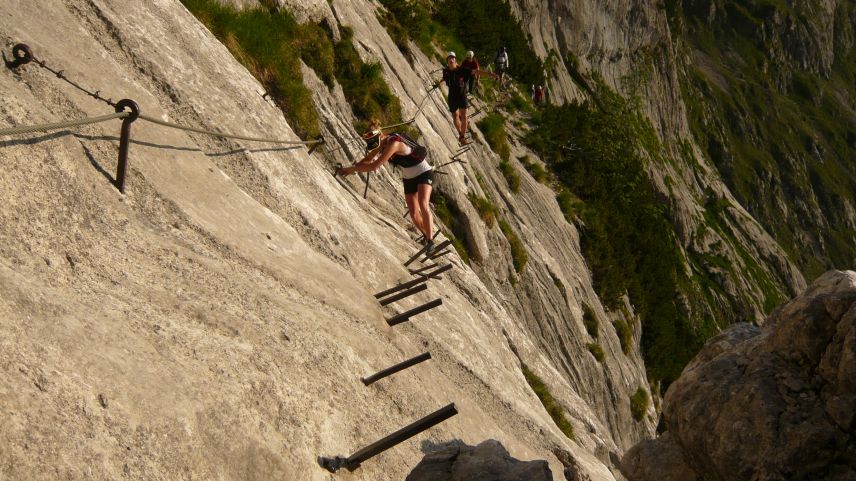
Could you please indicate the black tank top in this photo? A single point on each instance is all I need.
(417, 152)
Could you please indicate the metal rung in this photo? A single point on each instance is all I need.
(353, 461)
(406, 315)
(407, 293)
(394, 369)
(407, 285)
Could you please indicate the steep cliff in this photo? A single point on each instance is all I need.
(214, 321)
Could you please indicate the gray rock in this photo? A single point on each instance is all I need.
(489, 461)
(766, 404)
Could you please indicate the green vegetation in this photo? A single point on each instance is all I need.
(270, 45)
(536, 170)
(596, 351)
(628, 238)
(569, 204)
(493, 128)
(364, 86)
(590, 321)
(763, 116)
(553, 408)
(448, 213)
(487, 211)
(639, 404)
(519, 256)
(625, 335)
(511, 175)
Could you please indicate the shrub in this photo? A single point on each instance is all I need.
(639, 404)
(553, 408)
(267, 44)
(519, 256)
(625, 335)
(596, 351)
(511, 175)
(590, 321)
(487, 211)
(493, 128)
(567, 204)
(536, 170)
(448, 213)
(628, 240)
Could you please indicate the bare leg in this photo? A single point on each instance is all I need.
(457, 120)
(463, 113)
(424, 199)
(413, 208)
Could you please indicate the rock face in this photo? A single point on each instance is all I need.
(489, 461)
(770, 403)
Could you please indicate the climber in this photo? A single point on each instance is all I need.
(473, 64)
(402, 151)
(501, 63)
(456, 78)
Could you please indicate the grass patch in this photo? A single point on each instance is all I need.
(553, 408)
(590, 321)
(569, 204)
(493, 128)
(270, 45)
(448, 213)
(596, 351)
(519, 256)
(487, 211)
(639, 404)
(536, 170)
(511, 175)
(625, 335)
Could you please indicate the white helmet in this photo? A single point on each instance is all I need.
(470, 54)
(451, 55)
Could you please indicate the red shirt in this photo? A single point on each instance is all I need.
(471, 64)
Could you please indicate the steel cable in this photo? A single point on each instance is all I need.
(28, 129)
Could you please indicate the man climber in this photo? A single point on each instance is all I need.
(456, 78)
(418, 175)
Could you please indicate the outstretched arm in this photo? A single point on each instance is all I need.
(373, 160)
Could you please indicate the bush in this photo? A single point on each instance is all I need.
(511, 175)
(568, 204)
(519, 256)
(628, 240)
(553, 408)
(487, 211)
(364, 85)
(269, 45)
(536, 170)
(625, 335)
(493, 128)
(596, 351)
(639, 404)
(448, 213)
(590, 321)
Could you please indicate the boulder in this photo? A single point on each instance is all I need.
(489, 461)
(769, 403)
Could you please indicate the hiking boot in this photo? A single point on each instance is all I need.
(429, 248)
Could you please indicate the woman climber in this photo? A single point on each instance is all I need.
(402, 151)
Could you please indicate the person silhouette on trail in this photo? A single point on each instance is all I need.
(501, 63)
(456, 78)
(473, 64)
(402, 151)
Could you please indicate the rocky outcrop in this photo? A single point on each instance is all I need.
(769, 403)
(489, 461)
